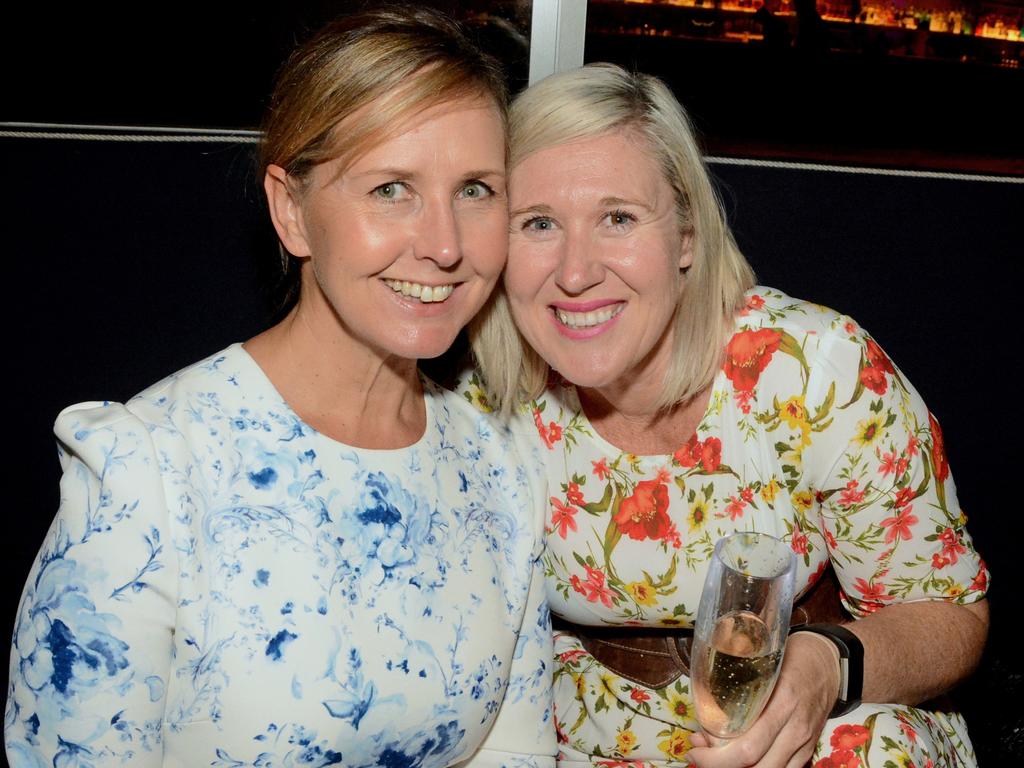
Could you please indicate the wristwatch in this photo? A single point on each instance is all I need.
(851, 664)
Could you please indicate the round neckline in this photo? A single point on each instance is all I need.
(610, 448)
(428, 387)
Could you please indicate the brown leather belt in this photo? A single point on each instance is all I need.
(656, 657)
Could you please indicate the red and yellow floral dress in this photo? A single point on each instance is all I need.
(811, 434)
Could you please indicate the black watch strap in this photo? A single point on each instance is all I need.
(851, 664)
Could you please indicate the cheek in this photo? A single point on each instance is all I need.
(526, 271)
(486, 241)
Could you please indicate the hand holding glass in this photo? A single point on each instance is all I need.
(741, 630)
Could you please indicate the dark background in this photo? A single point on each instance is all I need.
(127, 261)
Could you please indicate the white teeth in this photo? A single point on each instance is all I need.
(588, 319)
(427, 294)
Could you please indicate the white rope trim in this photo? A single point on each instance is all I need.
(860, 169)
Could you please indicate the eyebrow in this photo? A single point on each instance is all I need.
(541, 208)
(403, 173)
(625, 201)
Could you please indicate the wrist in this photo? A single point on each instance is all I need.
(848, 656)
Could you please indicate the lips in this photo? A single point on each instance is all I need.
(427, 294)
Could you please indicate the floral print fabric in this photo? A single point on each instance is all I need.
(225, 586)
(811, 435)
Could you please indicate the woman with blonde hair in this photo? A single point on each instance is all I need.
(299, 550)
(678, 403)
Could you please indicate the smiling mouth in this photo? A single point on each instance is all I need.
(427, 294)
(580, 320)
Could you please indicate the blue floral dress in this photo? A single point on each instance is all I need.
(225, 586)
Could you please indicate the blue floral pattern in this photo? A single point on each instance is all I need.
(225, 586)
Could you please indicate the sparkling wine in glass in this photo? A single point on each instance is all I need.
(742, 623)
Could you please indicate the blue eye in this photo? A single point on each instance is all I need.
(392, 190)
(476, 190)
(539, 224)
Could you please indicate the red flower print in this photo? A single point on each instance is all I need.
(849, 736)
(904, 496)
(672, 536)
(850, 327)
(874, 379)
(550, 434)
(799, 542)
(912, 443)
(688, 455)
(742, 398)
(601, 469)
(938, 451)
(939, 562)
(574, 495)
(594, 588)
(888, 463)
(644, 513)
(871, 591)
(840, 758)
(899, 525)
(711, 454)
(952, 546)
(734, 508)
(747, 354)
(747, 494)
(639, 696)
(577, 584)
(852, 495)
(830, 539)
(563, 518)
(980, 581)
(570, 656)
(755, 302)
(877, 358)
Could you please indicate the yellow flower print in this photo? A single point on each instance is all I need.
(625, 741)
(769, 490)
(870, 430)
(643, 592)
(803, 500)
(698, 514)
(679, 706)
(608, 684)
(676, 745)
(794, 414)
(478, 397)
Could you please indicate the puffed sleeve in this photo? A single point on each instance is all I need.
(92, 640)
(887, 503)
(523, 733)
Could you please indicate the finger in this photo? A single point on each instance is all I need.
(742, 752)
(698, 739)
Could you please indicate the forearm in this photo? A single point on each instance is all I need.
(915, 651)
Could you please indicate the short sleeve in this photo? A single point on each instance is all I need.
(887, 502)
(93, 636)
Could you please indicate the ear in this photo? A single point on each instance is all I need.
(286, 210)
(686, 250)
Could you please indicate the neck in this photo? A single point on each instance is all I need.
(338, 385)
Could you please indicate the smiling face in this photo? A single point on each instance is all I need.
(404, 244)
(595, 259)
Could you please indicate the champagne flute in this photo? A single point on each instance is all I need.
(742, 623)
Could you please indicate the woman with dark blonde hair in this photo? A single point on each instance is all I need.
(679, 403)
(299, 550)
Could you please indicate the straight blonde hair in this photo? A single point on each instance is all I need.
(588, 102)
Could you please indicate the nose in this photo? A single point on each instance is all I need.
(578, 265)
(437, 236)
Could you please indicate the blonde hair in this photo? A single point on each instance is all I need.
(592, 101)
(402, 60)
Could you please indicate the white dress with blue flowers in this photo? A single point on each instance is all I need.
(225, 586)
